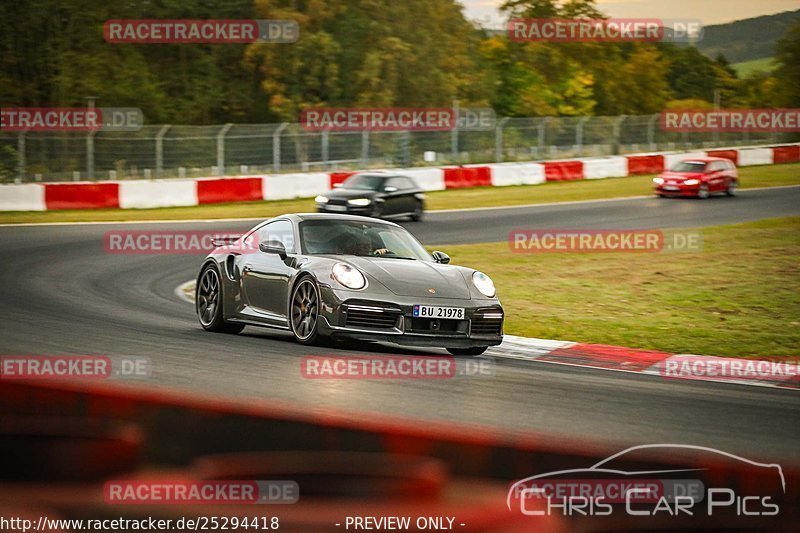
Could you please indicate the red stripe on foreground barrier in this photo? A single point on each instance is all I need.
(786, 154)
(609, 357)
(81, 195)
(645, 164)
(229, 190)
(462, 177)
(731, 155)
(563, 170)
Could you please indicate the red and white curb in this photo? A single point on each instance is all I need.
(148, 194)
(759, 372)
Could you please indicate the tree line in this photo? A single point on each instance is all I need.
(410, 53)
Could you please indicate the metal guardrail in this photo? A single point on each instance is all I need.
(166, 151)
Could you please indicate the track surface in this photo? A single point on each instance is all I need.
(62, 294)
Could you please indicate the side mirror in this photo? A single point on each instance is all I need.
(441, 257)
(390, 188)
(273, 247)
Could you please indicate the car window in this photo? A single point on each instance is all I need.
(347, 237)
(689, 166)
(280, 230)
(399, 183)
(364, 182)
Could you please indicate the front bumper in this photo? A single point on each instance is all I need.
(347, 315)
(679, 189)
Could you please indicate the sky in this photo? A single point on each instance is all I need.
(710, 11)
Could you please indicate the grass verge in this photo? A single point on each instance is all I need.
(765, 176)
(738, 297)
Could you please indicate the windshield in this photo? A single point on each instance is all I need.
(689, 166)
(365, 239)
(364, 182)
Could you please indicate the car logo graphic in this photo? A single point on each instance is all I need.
(432, 290)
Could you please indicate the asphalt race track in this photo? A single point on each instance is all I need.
(62, 294)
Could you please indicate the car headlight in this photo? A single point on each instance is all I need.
(321, 199)
(484, 284)
(359, 202)
(349, 276)
(658, 181)
(691, 182)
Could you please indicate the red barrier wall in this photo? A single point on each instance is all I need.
(563, 170)
(645, 164)
(786, 154)
(461, 177)
(339, 177)
(731, 155)
(229, 190)
(81, 195)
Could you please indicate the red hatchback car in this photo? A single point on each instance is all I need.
(699, 177)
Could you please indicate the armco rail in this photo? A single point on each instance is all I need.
(142, 194)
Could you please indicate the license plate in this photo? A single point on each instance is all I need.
(672, 188)
(430, 311)
(337, 208)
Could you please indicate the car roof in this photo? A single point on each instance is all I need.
(298, 217)
(704, 159)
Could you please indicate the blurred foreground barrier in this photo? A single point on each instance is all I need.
(344, 464)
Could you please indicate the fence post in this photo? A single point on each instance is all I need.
(325, 139)
(651, 132)
(160, 149)
(90, 155)
(498, 140)
(221, 149)
(617, 133)
(365, 148)
(276, 147)
(454, 132)
(21, 157)
(579, 135)
(542, 131)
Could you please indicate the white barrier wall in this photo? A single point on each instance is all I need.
(504, 174)
(755, 156)
(27, 197)
(430, 179)
(605, 167)
(144, 194)
(288, 186)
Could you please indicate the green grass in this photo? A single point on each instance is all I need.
(747, 68)
(764, 176)
(738, 297)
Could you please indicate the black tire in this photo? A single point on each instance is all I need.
(419, 212)
(304, 311)
(702, 192)
(733, 186)
(208, 303)
(472, 352)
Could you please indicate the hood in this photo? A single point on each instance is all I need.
(347, 194)
(414, 278)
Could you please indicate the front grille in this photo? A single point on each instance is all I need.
(487, 325)
(434, 325)
(371, 319)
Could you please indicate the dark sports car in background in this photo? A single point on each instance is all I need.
(375, 194)
(325, 275)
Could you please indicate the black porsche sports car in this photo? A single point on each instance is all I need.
(325, 275)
